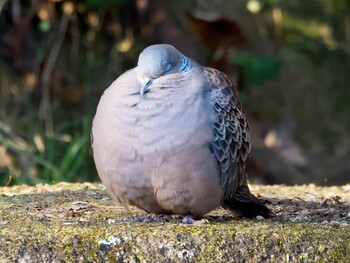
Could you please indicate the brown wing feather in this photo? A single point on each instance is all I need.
(231, 135)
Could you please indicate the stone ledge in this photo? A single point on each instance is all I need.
(80, 223)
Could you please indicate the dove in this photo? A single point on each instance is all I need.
(170, 137)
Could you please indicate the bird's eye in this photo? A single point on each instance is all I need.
(167, 68)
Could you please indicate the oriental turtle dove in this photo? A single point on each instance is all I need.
(169, 136)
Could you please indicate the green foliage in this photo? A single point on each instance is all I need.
(256, 70)
(49, 159)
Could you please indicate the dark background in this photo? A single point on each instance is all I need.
(289, 58)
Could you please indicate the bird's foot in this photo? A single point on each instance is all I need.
(162, 218)
(154, 218)
(188, 219)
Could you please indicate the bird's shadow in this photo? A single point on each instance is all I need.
(321, 210)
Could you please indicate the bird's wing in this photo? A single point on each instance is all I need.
(231, 135)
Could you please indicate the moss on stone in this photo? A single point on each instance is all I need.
(79, 223)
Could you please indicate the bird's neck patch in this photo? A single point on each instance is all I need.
(185, 66)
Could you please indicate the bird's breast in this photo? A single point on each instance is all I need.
(156, 146)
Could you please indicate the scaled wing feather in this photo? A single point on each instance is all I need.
(231, 134)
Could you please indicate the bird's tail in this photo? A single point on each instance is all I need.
(251, 208)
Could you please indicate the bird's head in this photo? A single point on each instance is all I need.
(159, 60)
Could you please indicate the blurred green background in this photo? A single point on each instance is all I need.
(289, 58)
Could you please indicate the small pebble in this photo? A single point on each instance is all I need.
(2, 223)
(111, 221)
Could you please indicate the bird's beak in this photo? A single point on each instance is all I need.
(145, 86)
